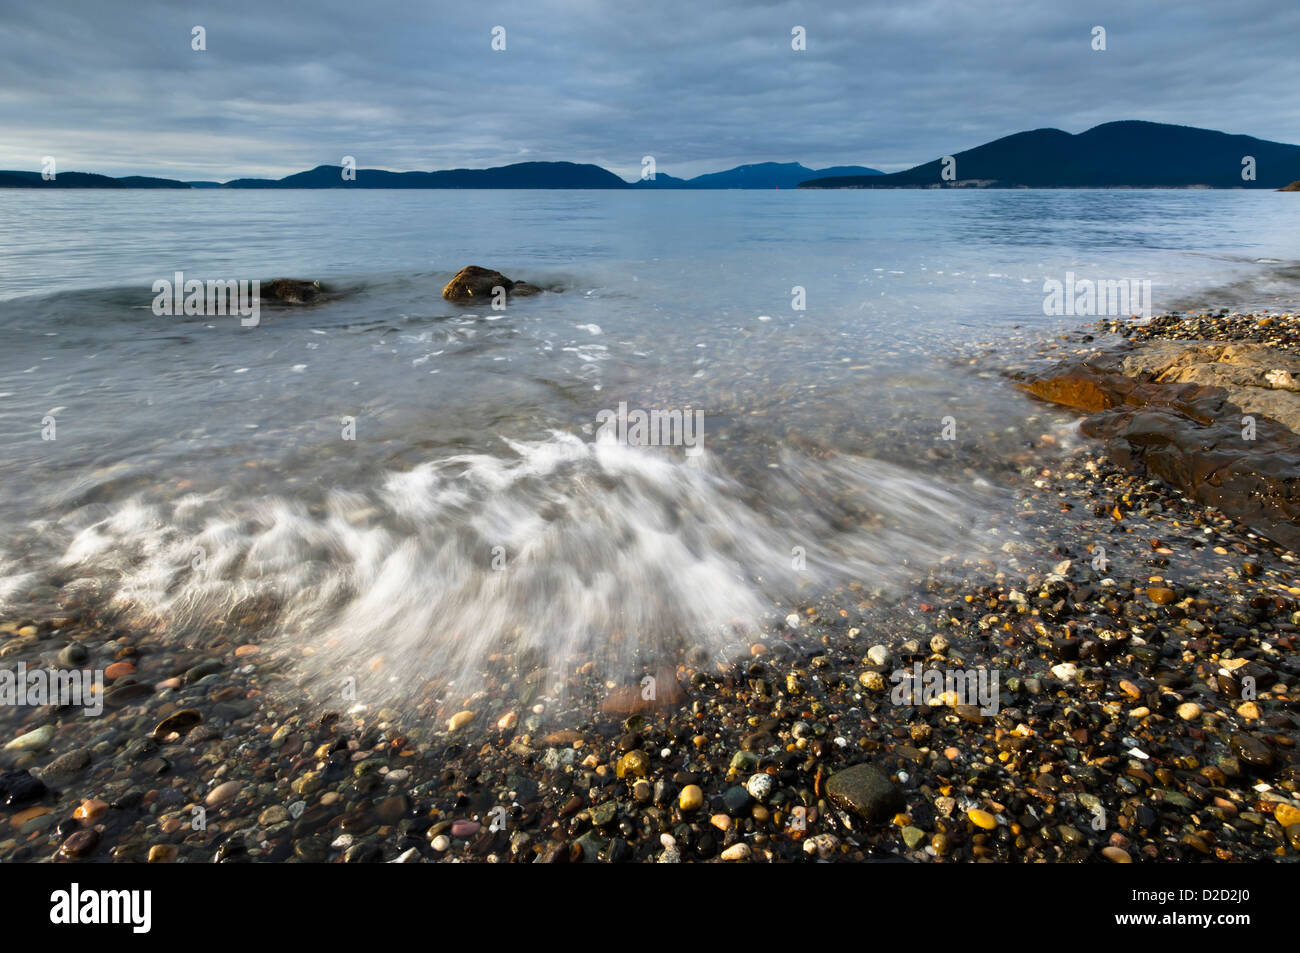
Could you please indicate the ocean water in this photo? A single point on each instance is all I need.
(391, 474)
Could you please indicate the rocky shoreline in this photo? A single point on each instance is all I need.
(1210, 404)
(1147, 712)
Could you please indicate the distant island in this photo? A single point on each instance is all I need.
(1115, 155)
(520, 175)
(1128, 154)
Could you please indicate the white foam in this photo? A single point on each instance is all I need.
(567, 548)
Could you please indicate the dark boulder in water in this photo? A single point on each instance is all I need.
(474, 284)
(292, 291)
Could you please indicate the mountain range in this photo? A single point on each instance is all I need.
(551, 175)
(521, 175)
(1129, 154)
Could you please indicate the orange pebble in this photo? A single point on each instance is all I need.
(118, 669)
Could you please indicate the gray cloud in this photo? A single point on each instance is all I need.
(113, 85)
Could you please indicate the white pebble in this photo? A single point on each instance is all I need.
(759, 787)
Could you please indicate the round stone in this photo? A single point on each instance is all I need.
(459, 720)
(118, 670)
(633, 764)
(1189, 711)
(691, 798)
(1161, 596)
(737, 852)
(80, 844)
(872, 681)
(222, 794)
(759, 786)
(982, 819)
(464, 828)
(1286, 815)
(822, 845)
(73, 655)
(275, 814)
(90, 811)
(37, 740)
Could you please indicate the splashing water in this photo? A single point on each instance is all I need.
(560, 550)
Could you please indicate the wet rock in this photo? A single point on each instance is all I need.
(1286, 815)
(179, 722)
(464, 828)
(118, 670)
(90, 811)
(691, 798)
(663, 693)
(392, 809)
(759, 787)
(292, 291)
(223, 793)
(1191, 434)
(36, 740)
(80, 844)
(73, 655)
(633, 764)
(865, 791)
(202, 670)
(66, 766)
(735, 800)
(1252, 751)
(123, 694)
(476, 285)
(311, 850)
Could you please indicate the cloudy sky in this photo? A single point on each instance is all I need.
(113, 85)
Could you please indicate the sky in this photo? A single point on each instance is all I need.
(114, 86)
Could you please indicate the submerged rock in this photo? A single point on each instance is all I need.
(292, 291)
(473, 284)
